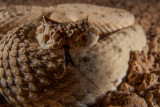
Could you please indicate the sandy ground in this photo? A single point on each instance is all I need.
(141, 86)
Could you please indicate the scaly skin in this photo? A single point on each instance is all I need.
(28, 70)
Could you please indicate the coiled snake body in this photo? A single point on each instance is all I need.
(31, 57)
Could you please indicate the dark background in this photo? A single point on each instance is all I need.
(54, 2)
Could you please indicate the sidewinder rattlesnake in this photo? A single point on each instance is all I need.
(29, 66)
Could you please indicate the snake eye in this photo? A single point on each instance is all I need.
(46, 38)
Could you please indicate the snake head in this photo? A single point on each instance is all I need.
(54, 35)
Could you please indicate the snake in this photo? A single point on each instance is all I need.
(67, 55)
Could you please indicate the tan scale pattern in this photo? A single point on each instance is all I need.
(106, 19)
(21, 72)
(28, 72)
(14, 16)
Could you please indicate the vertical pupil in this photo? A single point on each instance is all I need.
(44, 25)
